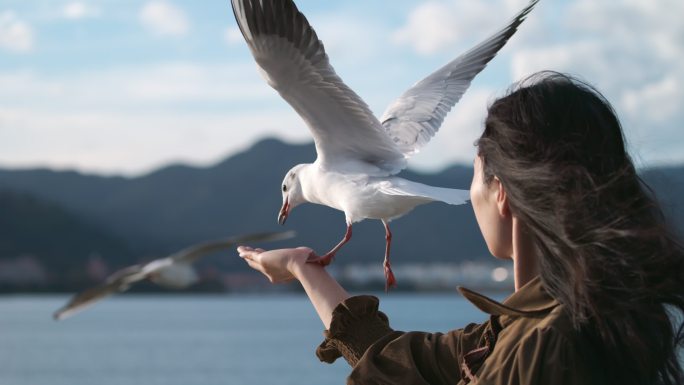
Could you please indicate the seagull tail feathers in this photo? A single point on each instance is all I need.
(405, 187)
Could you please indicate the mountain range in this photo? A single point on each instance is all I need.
(63, 217)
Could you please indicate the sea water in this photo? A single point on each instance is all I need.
(191, 339)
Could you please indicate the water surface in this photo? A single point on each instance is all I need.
(190, 340)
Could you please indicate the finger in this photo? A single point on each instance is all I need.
(247, 253)
(255, 266)
(242, 248)
(259, 250)
(256, 257)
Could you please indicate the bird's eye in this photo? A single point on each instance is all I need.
(284, 188)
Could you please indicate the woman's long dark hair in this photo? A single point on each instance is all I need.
(606, 252)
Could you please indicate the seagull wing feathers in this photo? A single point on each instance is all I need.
(414, 118)
(117, 282)
(192, 253)
(121, 280)
(293, 61)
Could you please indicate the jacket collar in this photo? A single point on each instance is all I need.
(531, 300)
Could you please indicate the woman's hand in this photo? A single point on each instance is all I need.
(277, 265)
(287, 264)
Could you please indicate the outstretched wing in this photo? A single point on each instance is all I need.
(295, 64)
(117, 282)
(413, 119)
(192, 253)
(122, 279)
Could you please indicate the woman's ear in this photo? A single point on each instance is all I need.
(501, 199)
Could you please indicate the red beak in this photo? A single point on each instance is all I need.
(284, 212)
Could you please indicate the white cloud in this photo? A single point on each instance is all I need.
(569, 57)
(133, 143)
(164, 19)
(153, 86)
(350, 39)
(659, 101)
(431, 26)
(436, 25)
(632, 51)
(76, 10)
(133, 120)
(454, 140)
(232, 35)
(15, 34)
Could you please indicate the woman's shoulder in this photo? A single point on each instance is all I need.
(552, 328)
(546, 347)
(556, 323)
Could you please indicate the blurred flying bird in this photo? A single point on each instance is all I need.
(358, 155)
(175, 271)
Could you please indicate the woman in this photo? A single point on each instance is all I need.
(597, 272)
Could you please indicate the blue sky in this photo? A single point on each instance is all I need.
(123, 87)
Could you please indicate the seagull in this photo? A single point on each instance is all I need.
(174, 271)
(358, 156)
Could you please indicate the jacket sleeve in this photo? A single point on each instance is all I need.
(380, 355)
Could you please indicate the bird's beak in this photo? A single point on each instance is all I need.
(284, 212)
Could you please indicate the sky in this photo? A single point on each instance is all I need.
(122, 87)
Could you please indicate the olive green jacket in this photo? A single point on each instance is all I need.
(527, 340)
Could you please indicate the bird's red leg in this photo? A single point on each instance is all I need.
(390, 281)
(330, 255)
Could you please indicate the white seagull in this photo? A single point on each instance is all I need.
(174, 271)
(358, 155)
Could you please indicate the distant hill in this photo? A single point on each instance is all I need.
(179, 205)
(667, 184)
(45, 241)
